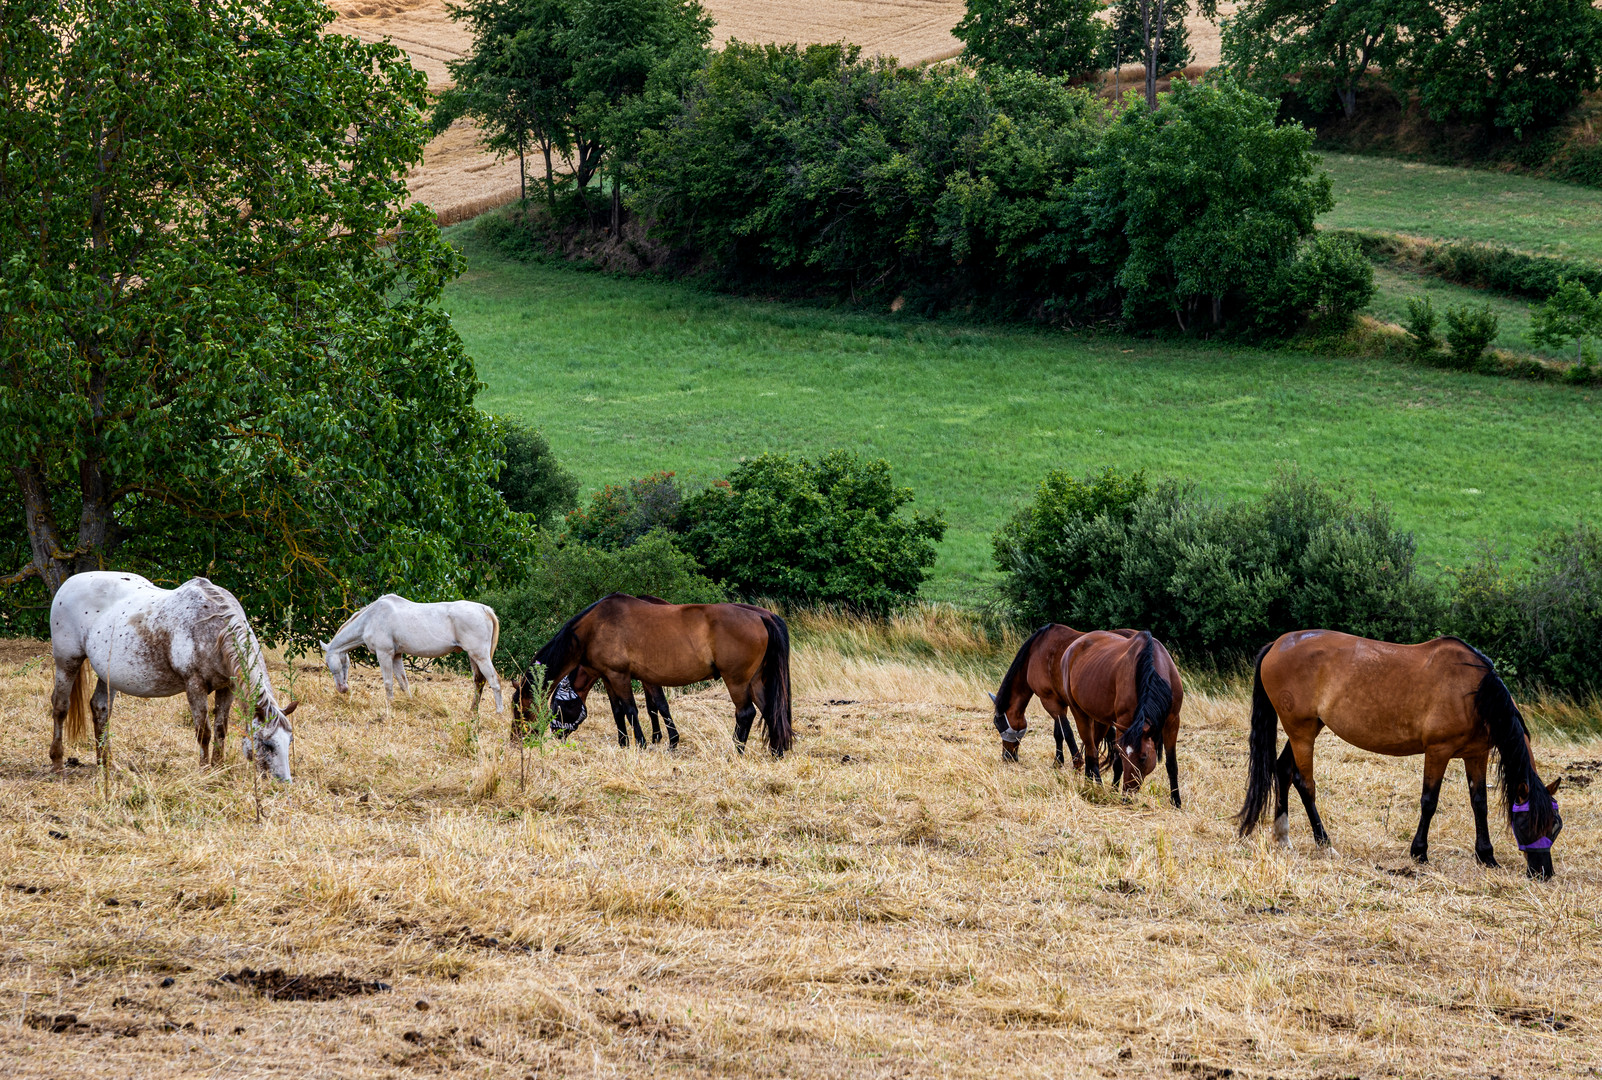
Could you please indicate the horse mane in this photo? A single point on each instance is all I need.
(1514, 766)
(1153, 699)
(1020, 664)
(556, 652)
(236, 632)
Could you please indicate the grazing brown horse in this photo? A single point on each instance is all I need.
(1124, 689)
(1442, 699)
(621, 638)
(1037, 672)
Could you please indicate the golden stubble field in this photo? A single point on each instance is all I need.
(888, 900)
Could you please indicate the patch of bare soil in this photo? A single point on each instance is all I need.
(279, 985)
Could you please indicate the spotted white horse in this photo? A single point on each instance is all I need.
(150, 642)
(393, 626)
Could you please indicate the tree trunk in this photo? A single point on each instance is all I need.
(1348, 96)
(550, 175)
(44, 539)
(617, 202)
(1153, 31)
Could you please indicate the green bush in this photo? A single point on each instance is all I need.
(567, 577)
(806, 532)
(811, 169)
(1470, 329)
(1212, 579)
(619, 514)
(1541, 625)
(1423, 327)
(531, 480)
(1330, 280)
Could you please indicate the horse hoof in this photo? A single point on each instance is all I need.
(1486, 859)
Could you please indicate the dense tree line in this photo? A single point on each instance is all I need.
(810, 167)
(1511, 64)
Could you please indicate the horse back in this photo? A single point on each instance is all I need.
(1099, 670)
(1377, 695)
(673, 644)
(82, 601)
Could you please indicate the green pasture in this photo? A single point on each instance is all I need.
(1542, 217)
(627, 376)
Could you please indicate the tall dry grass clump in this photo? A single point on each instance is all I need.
(888, 899)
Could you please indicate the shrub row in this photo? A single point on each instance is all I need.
(813, 169)
(1220, 579)
(1480, 266)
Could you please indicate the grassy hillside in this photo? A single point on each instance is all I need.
(1539, 216)
(628, 376)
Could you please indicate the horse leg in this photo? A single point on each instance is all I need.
(478, 685)
(386, 668)
(745, 711)
(1087, 735)
(1173, 765)
(100, 712)
(197, 694)
(1302, 777)
(621, 690)
(1282, 785)
(1435, 762)
(221, 708)
(484, 673)
(60, 702)
(1474, 766)
(656, 701)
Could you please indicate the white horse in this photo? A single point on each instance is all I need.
(393, 626)
(151, 642)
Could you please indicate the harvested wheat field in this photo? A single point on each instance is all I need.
(459, 179)
(888, 900)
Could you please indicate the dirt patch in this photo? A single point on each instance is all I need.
(279, 985)
(69, 1024)
(22, 650)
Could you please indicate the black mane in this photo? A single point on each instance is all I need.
(1019, 664)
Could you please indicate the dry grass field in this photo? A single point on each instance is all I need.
(887, 901)
(459, 179)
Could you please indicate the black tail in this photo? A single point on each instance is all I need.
(775, 703)
(1153, 699)
(1515, 770)
(1265, 741)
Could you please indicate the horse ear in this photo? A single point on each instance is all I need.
(323, 645)
(291, 707)
(993, 700)
(1551, 789)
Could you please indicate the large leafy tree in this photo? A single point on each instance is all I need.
(515, 81)
(1205, 201)
(632, 62)
(1128, 26)
(1054, 38)
(1509, 63)
(221, 345)
(1324, 47)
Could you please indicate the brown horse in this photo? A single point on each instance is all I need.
(1442, 699)
(1037, 672)
(1124, 689)
(621, 638)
